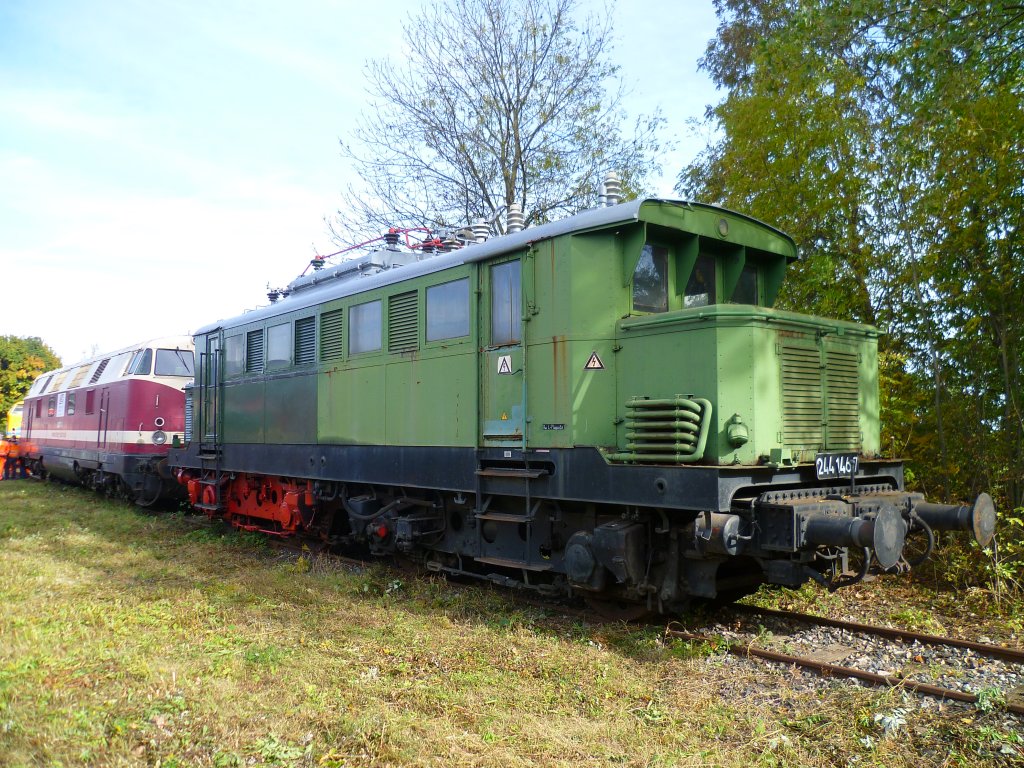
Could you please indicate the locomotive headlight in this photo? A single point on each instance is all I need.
(737, 431)
(159, 437)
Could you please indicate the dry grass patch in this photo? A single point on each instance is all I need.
(129, 639)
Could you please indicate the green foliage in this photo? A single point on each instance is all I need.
(1006, 554)
(887, 140)
(990, 699)
(21, 361)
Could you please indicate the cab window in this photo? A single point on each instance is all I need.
(174, 362)
(506, 304)
(700, 288)
(746, 288)
(141, 363)
(650, 280)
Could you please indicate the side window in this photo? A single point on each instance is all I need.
(71, 404)
(700, 288)
(141, 363)
(506, 303)
(364, 328)
(234, 356)
(51, 406)
(650, 280)
(746, 289)
(448, 310)
(279, 345)
(254, 351)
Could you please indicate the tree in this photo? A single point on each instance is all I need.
(22, 360)
(498, 102)
(886, 137)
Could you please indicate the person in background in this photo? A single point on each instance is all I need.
(10, 452)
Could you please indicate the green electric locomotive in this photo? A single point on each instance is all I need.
(607, 405)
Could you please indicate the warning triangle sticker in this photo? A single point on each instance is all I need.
(594, 363)
(505, 364)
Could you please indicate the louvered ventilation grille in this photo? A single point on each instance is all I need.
(188, 416)
(305, 340)
(402, 316)
(99, 371)
(821, 408)
(841, 382)
(802, 404)
(332, 333)
(254, 351)
(666, 430)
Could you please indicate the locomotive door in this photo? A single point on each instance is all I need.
(104, 420)
(209, 391)
(502, 375)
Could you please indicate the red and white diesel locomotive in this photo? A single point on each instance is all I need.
(108, 422)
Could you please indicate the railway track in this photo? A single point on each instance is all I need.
(823, 653)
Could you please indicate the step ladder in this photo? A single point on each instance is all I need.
(515, 535)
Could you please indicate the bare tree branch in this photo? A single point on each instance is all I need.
(497, 102)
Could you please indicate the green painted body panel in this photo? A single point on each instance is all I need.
(732, 355)
(297, 422)
(422, 395)
(244, 406)
(418, 411)
(352, 404)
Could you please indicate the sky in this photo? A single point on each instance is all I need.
(162, 162)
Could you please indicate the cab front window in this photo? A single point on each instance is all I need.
(174, 362)
(746, 287)
(650, 280)
(141, 363)
(700, 287)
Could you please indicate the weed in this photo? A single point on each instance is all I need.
(990, 699)
(277, 752)
(692, 649)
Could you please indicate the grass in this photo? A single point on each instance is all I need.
(133, 639)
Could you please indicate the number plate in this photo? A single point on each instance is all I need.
(832, 465)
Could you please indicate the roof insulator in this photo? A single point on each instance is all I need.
(481, 230)
(514, 219)
(612, 189)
